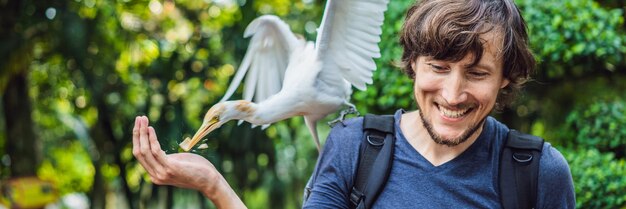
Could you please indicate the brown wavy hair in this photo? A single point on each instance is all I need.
(450, 29)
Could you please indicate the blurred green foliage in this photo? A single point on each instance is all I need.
(580, 46)
(574, 37)
(599, 178)
(94, 65)
(595, 141)
(69, 168)
(600, 125)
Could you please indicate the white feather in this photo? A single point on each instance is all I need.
(265, 63)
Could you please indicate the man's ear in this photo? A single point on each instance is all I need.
(505, 82)
(412, 64)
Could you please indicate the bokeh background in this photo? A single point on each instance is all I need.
(75, 73)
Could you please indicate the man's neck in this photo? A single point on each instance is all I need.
(437, 154)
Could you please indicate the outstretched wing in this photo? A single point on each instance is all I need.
(266, 59)
(347, 40)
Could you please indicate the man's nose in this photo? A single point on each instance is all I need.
(454, 91)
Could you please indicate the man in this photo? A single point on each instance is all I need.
(466, 58)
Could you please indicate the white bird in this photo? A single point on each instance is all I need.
(287, 76)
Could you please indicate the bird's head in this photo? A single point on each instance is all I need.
(219, 114)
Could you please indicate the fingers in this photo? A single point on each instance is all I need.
(162, 169)
(136, 137)
(158, 154)
(137, 145)
(145, 149)
(154, 156)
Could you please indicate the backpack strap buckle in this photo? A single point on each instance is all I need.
(375, 140)
(356, 196)
(522, 157)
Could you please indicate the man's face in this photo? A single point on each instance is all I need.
(454, 98)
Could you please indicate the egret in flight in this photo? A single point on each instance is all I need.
(286, 76)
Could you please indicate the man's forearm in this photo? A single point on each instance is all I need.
(223, 196)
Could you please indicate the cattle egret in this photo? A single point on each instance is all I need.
(287, 76)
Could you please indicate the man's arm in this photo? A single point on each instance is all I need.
(556, 187)
(183, 170)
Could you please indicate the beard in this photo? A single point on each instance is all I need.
(454, 141)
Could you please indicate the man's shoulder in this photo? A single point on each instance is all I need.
(349, 133)
(556, 187)
(352, 128)
(552, 160)
(345, 134)
(348, 126)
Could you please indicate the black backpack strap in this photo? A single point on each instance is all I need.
(375, 159)
(519, 170)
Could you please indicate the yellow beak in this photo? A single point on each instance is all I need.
(205, 128)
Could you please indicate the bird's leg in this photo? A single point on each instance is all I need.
(342, 115)
(311, 123)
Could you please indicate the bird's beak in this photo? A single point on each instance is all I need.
(206, 128)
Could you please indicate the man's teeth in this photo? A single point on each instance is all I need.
(453, 113)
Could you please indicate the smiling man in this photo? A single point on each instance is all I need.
(466, 58)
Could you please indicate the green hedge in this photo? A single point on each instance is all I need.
(599, 125)
(599, 178)
(595, 153)
(574, 37)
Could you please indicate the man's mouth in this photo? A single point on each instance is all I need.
(454, 113)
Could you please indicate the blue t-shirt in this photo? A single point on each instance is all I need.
(468, 181)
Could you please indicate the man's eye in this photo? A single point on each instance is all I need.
(437, 68)
(478, 74)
